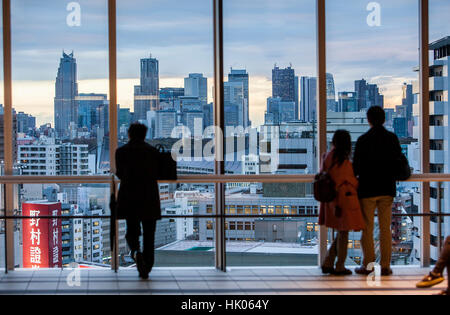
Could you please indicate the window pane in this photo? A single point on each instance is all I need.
(60, 86)
(270, 88)
(165, 71)
(291, 240)
(56, 243)
(372, 57)
(188, 241)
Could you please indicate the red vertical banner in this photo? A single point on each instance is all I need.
(41, 237)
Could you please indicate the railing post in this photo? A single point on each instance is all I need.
(219, 123)
(321, 107)
(424, 126)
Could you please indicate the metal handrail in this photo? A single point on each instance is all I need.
(209, 178)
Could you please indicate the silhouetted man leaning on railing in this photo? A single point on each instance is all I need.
(377, 160)
(137, 165)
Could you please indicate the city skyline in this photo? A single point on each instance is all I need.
(281, 33)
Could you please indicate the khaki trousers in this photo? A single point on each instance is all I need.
(384, 206)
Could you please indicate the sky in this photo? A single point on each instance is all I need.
(257, 35)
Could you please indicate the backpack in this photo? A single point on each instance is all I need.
(324, 186)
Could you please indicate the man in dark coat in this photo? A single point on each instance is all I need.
(138, 199)
(374, 165)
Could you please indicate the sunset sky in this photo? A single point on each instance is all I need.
(257, 35)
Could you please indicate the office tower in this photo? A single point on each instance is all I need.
(66, 90)
(196, 85)
(124, 117)
(400, 126)
(208, 113)
(347, 102)
(242, 76)
(90, 114)
(331, 93)
(165, 122)
(193, 120)
(234, 103)
(168, 96)
(146, 95)
(368, 95)
(25, 123)
(279, 111)
(408, 101)
(439, 137)
(308, 98)
(283, 84)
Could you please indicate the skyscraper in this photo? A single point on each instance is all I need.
(89, 109)
(146, 95)
(279, 111)
(368, 95)
(331, 93)
(408, 101)
(66, 90)
(196, 85)
(308, 98)
(234, 103)
(242, 76)
(347, 102)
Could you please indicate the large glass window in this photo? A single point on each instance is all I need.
(60, 87)
(372, 54)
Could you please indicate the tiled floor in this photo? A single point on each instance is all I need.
(205, 281)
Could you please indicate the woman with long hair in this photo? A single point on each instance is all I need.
(344, 212)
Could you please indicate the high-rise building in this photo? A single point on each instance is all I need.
(165, 122)
(439, 138)
(168, 96)
(347, 102)
(196, 85)
(308, 98)
(234, 103)
(279, 111)
(284, 86)
(146, 95)
(66, 90)
(331, 93)
(25, 122)
(368, 95)
(241, 75)
(90, 113)
(408, 101)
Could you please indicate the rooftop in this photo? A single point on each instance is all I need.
(440, 43)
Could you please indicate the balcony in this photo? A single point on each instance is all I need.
(437, 157)
(437, 132)
(208, 281)
(437, 108)
(437, 83)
